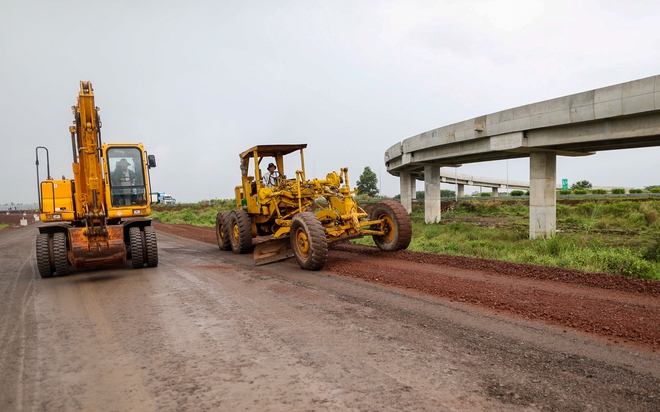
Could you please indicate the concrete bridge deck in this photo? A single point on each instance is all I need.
(621, 116)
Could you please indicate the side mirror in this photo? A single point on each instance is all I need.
(151, 161)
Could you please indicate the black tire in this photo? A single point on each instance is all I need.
(60, 257)
(137, 247)
(310, 246)
(221, 230)
(240, 231)
(44, 260)
(151, 245)
(396, 225)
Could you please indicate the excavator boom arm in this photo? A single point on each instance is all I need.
(87, 166)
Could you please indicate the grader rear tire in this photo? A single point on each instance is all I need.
(396, 225)
(44, 257)
(137, 247)
(60, 255)
(310, 246)
(221, 232)
(240, 231)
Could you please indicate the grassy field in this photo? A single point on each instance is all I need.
(2, 226)
(617, 236)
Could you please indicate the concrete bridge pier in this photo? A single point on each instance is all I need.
(542, 194)
(407, 186)
(461, 190)
(494, 191)
(432, 194)
(413, 189)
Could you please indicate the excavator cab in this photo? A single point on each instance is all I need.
(127, 177)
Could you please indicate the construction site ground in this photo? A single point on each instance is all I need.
(207, 330)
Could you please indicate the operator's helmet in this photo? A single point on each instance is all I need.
(271, 165)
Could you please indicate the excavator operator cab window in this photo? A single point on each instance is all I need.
(127, 185)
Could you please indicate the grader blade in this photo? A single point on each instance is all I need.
(272, 250)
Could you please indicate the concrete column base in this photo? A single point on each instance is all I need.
(432, 194)
(542, 194)
(461, 190)
(404, 187)
(494, 192)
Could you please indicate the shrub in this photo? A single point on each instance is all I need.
(565, 192)
(649, 212)
(584, 184)
(635, 191)
(466, 207)
(625, 262)
(517, 193)
(618, 208)
(618, 191)
(653, 252)
(485, 194)
(599, 192)
(654, 190)
(580, 191)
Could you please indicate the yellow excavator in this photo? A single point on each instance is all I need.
(98, 218)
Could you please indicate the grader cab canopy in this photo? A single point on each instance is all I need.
(302, 216)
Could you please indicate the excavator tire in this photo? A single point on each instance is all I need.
(396, 225)
(43, 256)
(221, 233)
(240, 231)
(137, 247)
(308, 241)
(152, 246)
(60, 255)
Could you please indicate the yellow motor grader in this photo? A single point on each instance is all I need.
(302, 216)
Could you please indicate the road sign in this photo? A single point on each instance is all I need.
(564, 184)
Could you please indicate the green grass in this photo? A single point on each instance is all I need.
(196, 215)
(609, 236)
(4, 225)
(616, 236)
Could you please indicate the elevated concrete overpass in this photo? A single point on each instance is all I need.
(622, 116)
(462, 180)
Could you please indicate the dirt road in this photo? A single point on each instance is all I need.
(206, 330)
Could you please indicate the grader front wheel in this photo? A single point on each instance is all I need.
(395, 223)
(240, 231)
(310, 246)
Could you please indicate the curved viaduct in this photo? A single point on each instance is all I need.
(621, 116)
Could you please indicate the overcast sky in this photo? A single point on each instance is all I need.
(200, 81)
